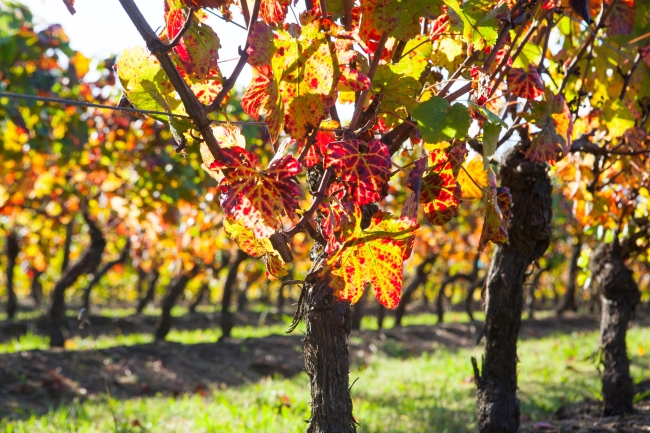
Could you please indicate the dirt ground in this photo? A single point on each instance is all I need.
(41, 378)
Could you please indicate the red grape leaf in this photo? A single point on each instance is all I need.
(497, 213)
(256, 197)
(70, 5)
(295, 77)
(553, 117)
(374, 255)
(440, 192)
(255, 247)
(363, 168)
(335, 223)
(621, 19)
(525, 84)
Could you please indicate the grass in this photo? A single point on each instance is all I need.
(432, 392)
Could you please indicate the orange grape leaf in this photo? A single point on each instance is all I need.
(525, 84)
(363, 168)
(473, 179)
(497, 213)
(226, 137)
(257, 197)
(255, 247)
(374, 255)
(441, 194)
(553, 117)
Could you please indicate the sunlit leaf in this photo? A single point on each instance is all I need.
(364, 168)
(440, 192)
(372, 256)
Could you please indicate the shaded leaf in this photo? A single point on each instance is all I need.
(497, 213)
(553, 117)
(438, 121)
(525, 83)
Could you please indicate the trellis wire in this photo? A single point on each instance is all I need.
(115, 108)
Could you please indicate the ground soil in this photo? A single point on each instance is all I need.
(40, 379)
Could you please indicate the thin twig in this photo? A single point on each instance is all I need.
(230, 82)
(318, 199)
(358, 109)
(193, 106)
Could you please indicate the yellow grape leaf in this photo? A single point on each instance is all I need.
(473, 170)
(255, 247)
(374, 255)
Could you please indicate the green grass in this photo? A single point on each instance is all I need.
(432, 392)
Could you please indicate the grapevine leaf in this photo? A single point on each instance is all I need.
(256, 197)
(255, 247)
(497, 213)
(525, 84)
(440, 194)
(410, 208)
(226, 137)
(399, 93)
(372, 256)
(553, 117)
(491, 134)
(198, 48)
(621, 19)
(273, 11)
(147, 88)
(473, 179)
(363, 168)
(439, 122)
(477, 19)
(70, 5)
(215, 4)
(399, 18)
(297, 87)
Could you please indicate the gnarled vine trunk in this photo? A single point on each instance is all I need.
(174, 290)
(529, 235)
(13, 248)
(619, 295)
(69, 232)
(419, 278)
(227, 321)
(327, 363)
(151, 291)
(36, 289)
(88, 262)
(569, 303)
(97, 275)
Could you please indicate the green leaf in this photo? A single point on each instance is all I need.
(477, 19)
(439, 122)
(531, 54)
(147, 87)
(490, 116)
(491, 134)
